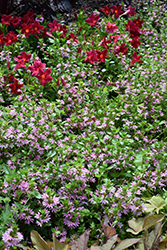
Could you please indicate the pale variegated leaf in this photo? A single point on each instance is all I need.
(38, 242)
(106, 246)
(59, 245)
(126, 243)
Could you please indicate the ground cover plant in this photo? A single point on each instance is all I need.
(83, 112)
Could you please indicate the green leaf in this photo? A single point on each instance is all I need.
(126, 243)
(156, 202)
(38, 242)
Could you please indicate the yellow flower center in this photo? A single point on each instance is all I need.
(43, 76)
(27, 30)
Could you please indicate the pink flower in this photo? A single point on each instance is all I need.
(111, 27)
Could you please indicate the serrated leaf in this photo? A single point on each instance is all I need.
(38, 242)
(106, 246)
(59, 245)
(126, 243)
(156, 202)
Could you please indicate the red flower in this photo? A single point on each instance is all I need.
(122, 49)
(44, 76)
(11, 38)
(131, 11)
(116, 38)
(79, 50)
(15, 87)
(35, 68)
(21, 60)
(2, 39)
(63, 82)
(91, 57)
(135, 59)
(106, 10)
(26, 29)
(138, 22)
(111, 27)
(28, 18)
(6, 19)
(135, 43)
(36, 27)
(45, 33)
(117, 10)
(72, 36)
(54, 26)
(101, 55)
(92, 20)
(16, 21)
(104, 42)
(133, 29)
(63, 28)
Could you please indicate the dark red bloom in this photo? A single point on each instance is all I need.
(73, 37)
(46, 34)
(135, 59)
(138, 22)
(28, 18)
(54, 26)
(44, 76)
(35, 68)
(63, 82)
(36, 27)
(106, 10)
(117, 10)
(135, 43)
(64, 29)
(122, 49)
(26, 29)
(16, 21)
(131, 11)
(91, 57)
(133, 29)
(21, 60)
(93, 20)
(15, 87)
(6, 19)
(11, 38)
(2, 40)
(101, 55)
(79, 50)
(116, 38)
(104, 42)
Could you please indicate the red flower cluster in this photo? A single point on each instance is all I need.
(39, 72)
(93, 20)
(96, 55)
(14, 86)
(8, 20)
(21, 60)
